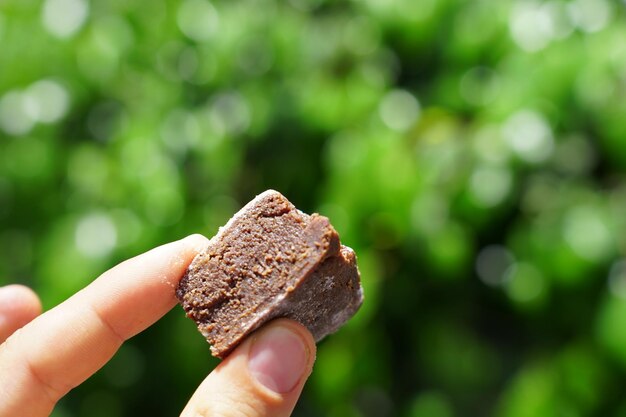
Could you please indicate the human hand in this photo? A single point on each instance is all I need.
(56, 351)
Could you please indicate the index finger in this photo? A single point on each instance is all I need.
(61, 348)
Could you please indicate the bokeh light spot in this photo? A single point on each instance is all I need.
(529, 136)
(524, 282)
(490, 185)
(562, 25)
(492, 263)
(198, 19)
(531, 25)
(587, 233)
(14, 117)
(180, 130)
(399, 110)
(590, 15)
(63, 18)
(95, 235)
(47, 101)
(230, 112)
(489, 146)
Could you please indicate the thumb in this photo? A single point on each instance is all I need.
(263, 377)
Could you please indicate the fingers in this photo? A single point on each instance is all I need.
(263, 377)
(61, 348)
(18, 306)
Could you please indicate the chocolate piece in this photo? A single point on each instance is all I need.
(270, 260)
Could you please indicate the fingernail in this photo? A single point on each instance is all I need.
(278, 359)
(10, 295)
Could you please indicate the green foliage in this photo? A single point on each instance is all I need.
(472, 152)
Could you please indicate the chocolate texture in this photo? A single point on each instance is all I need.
(270, 260)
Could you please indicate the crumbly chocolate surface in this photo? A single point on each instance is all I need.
(270, 260)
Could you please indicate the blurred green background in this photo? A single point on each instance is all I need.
(472, 152)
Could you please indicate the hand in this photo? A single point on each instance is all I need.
(54, 352)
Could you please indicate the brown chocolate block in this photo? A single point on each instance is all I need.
(270, 260)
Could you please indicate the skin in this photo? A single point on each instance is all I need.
(44, 356)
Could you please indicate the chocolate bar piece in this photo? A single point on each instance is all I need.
(270, 260)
